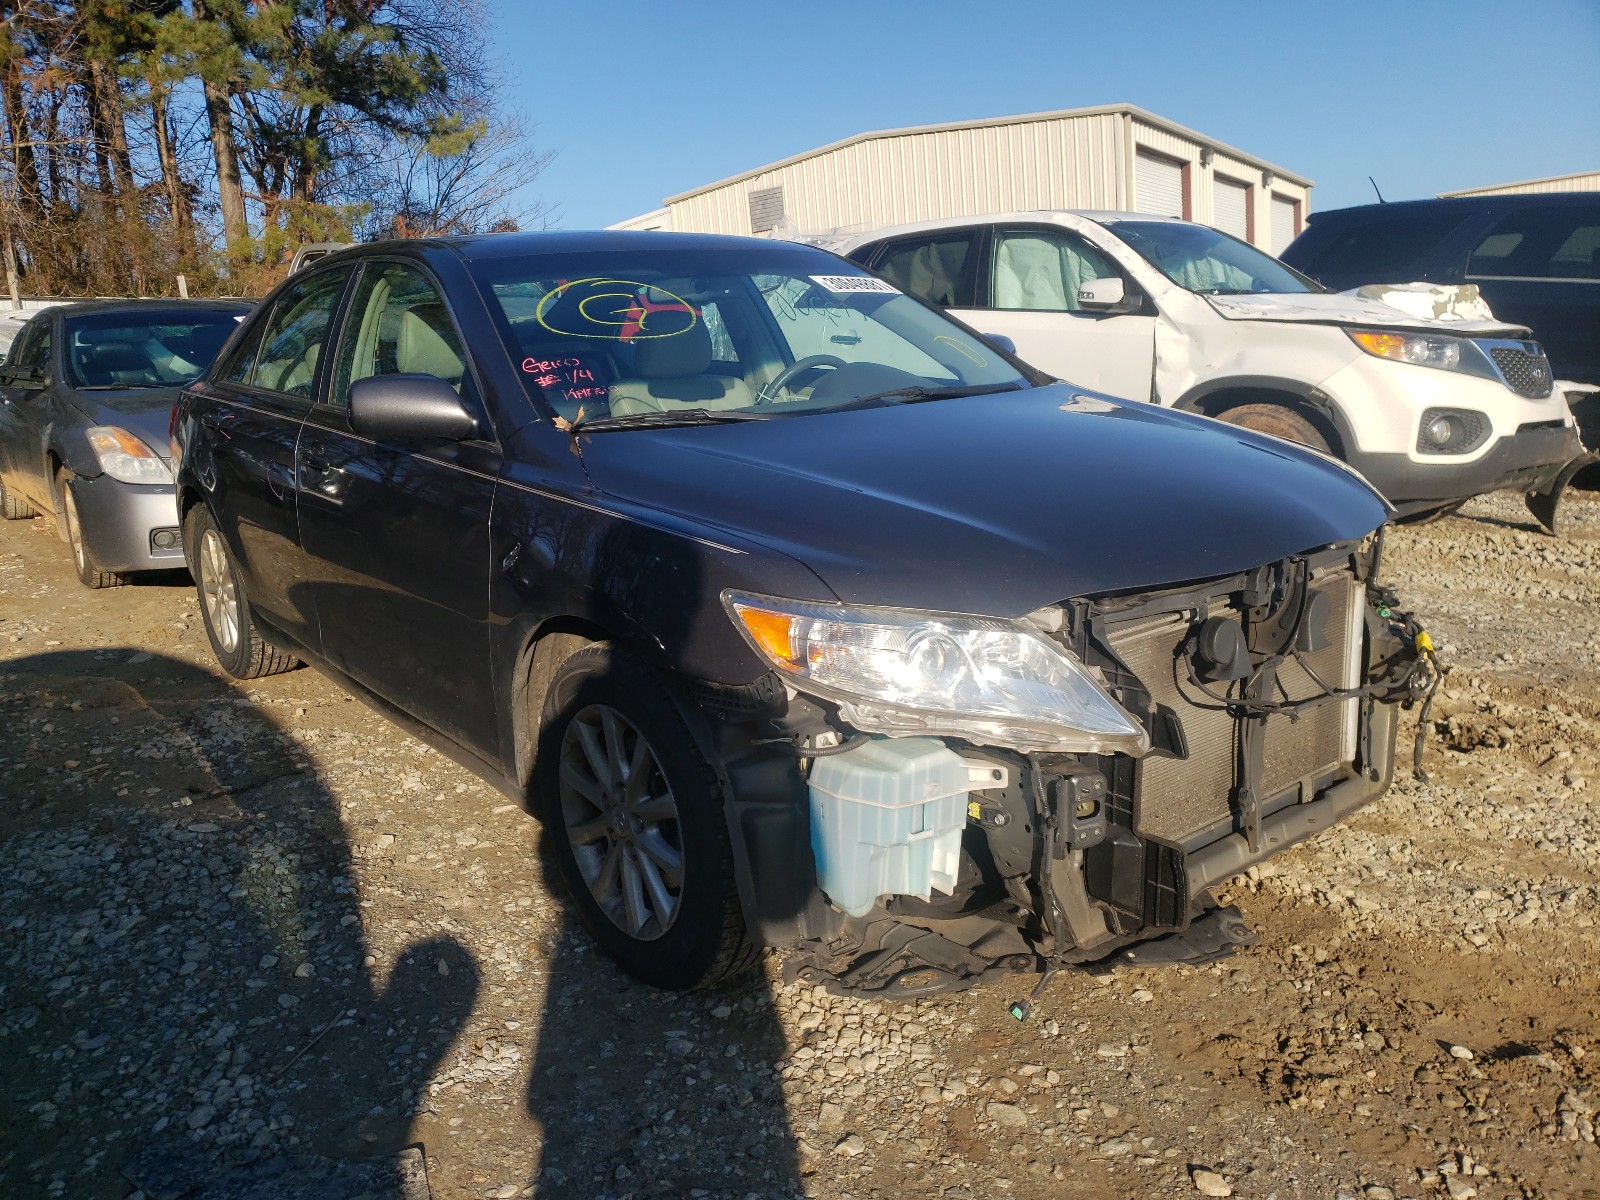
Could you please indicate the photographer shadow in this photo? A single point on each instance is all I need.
(188, 998)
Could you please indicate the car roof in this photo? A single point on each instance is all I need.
(484, 246)
(79, 307)
(1098, 216)
(1506, 201)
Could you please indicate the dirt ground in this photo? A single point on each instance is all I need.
(258, 943)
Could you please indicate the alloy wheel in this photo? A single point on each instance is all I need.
(621, 821)
(218, 591)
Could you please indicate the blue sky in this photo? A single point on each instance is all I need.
(641, 100)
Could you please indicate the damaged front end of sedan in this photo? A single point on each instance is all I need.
(988, 797)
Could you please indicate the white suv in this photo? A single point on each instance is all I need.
(1432, 412)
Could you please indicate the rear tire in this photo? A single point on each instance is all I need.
(1279, 422)
(634, 817)
(89, 572)
(13, 507)
(224, 606)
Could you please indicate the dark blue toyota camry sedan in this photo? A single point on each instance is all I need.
(800, 614)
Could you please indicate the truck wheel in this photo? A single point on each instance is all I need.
(224, 607)
(13, 507)
(89, 574)
(1278, 421)
(634, 816)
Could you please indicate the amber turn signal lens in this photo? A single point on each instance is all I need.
(1384, 345)
(773, 632)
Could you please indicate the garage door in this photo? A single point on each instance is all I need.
(1230, 204)
(1283, 230)
(1157, 186)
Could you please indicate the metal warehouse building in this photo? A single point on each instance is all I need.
(1111, 157)
(1582, 181)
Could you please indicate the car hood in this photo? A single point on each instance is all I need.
(144, 412)
(1337, 308)
(995, 504)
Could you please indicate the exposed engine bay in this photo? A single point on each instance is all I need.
(1270, 701)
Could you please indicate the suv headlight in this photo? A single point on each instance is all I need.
(124, 457)
(1440, 351)
(902, 672)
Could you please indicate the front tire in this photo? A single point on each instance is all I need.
(634, 815)
(89, 572)
(224, 605)
(1278, 421)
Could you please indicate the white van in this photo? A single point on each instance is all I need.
(1432, 412)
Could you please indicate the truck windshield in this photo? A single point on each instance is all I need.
(663, 332)
(1203, 260)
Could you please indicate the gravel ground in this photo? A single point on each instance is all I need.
(260, 943)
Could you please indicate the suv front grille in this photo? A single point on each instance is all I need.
(1526, 373)
(1178, 800)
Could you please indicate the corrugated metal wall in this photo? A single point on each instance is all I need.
(658, 218)
(1585, 182)
(1060, 162)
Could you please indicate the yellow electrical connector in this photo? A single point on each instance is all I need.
(1423, 642)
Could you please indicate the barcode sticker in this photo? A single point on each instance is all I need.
(854, 283)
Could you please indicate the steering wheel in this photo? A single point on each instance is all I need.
(799, 366)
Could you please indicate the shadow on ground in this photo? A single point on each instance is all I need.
(187, 1002)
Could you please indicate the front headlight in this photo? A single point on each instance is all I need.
(905, 673)
(124, 457)
(1440, 351)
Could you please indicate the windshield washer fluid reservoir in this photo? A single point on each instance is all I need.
(886, 818)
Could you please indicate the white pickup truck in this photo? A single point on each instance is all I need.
(1430, 411)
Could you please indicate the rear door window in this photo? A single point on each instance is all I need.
(1540, 243)
(291, 346)
(935, 268)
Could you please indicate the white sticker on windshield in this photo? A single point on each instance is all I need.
(854, 283)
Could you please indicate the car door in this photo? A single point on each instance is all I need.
(253, 411)
(396, 533)
(1033, 274)
(25, 410)
(10, 417)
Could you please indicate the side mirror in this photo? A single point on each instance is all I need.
(1101, 295)
(409, 406)
(20, 376)
(1002, 341)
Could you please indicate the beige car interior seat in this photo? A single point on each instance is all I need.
(672, 373)
(426, 345)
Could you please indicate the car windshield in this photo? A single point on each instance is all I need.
(163, 348)
(1203, 260)
(689, 335)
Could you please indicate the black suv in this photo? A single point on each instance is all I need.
(802, 616)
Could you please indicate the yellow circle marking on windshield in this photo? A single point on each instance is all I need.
(629, 312)
(962, 348)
